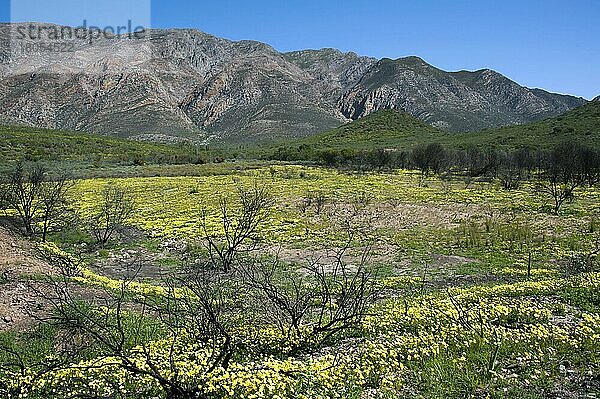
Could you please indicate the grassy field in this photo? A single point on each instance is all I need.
(481, 292)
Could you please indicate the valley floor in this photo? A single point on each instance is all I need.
(482, 292)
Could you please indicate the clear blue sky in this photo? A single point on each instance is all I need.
(550, 44)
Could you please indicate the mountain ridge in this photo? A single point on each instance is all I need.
(207, 89)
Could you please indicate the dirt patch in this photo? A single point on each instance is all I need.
(18, 257)
(138, 264)
(438, 265)
(399, 216)
(441, 269)
(24, 283)
(449, 271)
(19, 263)
(381, 254)
(141, 264)
(20, 305)
(450, 261)
(405, 216)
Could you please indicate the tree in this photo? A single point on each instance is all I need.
(115, 209)
(476, 163)
(524, 159)
(428, 158)
(590, 165)
(38, 197)
(312, 304)
(119, 328)
(562, 173)
(24, 193)
(54, 202)
(510, 172)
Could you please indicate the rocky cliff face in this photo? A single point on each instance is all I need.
(202, 87)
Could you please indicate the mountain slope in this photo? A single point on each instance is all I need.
(381, 129)
(581, 125)
(393, 129)
(206, 88)
(194, 84)
(336, 70)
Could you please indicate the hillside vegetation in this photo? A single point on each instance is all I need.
(34, 145)
(382, 129)
(386, 129)
(581, 125)
(395, 129)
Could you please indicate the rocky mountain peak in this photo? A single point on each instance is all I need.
(412, 60)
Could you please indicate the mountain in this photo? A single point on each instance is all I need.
(204, 88)
(597, 99)
(455, 101)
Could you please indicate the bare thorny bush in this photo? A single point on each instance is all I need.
(207, 306)
(311, 303)
(239, 230)
(119, 327)
(313, 199)
(115, 209)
